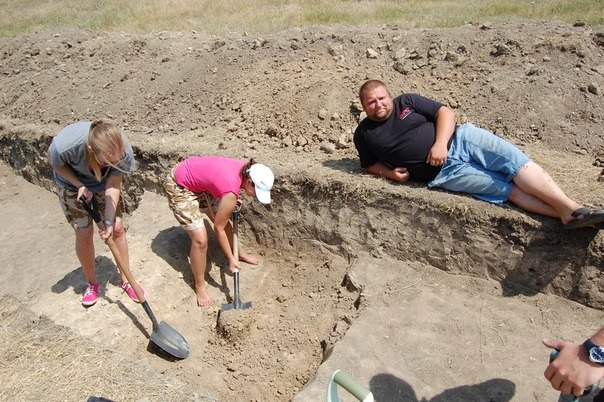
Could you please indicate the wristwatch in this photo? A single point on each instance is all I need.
(595, 352)
(107, 222)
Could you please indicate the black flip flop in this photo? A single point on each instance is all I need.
(593, 219)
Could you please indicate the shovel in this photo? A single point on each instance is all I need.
(163, 335)
(237, 304)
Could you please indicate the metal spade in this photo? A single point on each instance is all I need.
(237, 304)
(163, 335)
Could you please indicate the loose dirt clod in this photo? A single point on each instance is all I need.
(234, 325)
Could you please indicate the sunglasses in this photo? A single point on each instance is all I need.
(113, 161)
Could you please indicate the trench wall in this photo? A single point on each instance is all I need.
(526, 256)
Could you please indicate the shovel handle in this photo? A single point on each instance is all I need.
(235, 233)
(236, 301)
(92, 209)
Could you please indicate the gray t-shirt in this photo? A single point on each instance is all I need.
(68, 147)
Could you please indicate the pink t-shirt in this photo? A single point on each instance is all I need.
(216, 175)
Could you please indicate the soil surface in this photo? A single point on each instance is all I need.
(351, 265)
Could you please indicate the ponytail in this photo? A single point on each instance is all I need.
(246, 167)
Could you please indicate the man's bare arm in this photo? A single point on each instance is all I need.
(399, 174)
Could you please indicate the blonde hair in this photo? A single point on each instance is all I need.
(104, 138)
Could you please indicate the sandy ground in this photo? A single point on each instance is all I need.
(420, 334)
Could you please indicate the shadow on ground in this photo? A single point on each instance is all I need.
(387, 387)
(173, 245)
(106, 273)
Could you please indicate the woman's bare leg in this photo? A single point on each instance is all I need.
(197, 258)
(84, 246)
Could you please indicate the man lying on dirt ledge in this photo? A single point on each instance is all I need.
(412, 137)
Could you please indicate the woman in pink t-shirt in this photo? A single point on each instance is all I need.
(211, 185)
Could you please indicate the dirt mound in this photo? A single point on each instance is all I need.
(289, 100)
(530, 82)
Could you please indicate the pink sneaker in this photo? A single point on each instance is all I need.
(91, 294)
(130, 291)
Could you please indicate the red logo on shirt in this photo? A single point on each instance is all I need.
(406, 112)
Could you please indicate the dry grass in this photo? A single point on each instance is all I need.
(262, 16)
(41, 361)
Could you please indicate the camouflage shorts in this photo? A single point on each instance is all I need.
(188, 207)
(75, 214)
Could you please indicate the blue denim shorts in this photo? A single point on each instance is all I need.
(481, 164)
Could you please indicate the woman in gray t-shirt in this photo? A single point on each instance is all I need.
(90, 159)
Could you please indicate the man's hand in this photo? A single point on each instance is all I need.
(572, 371)
(437, 155)
(400, 174)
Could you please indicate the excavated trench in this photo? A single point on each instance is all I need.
(317, 226)
(528, 255)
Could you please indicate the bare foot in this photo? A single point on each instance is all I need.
(203, 298)
(245, 257)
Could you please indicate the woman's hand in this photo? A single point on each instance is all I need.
(233, 265)
(83, 191)
(106, 233)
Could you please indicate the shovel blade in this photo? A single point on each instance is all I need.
(233, 306)
(170, 340)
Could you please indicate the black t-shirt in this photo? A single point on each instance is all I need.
(403, 140)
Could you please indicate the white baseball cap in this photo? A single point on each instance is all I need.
(263, 179)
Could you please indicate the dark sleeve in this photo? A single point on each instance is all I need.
(425, 106)
(367, 158)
